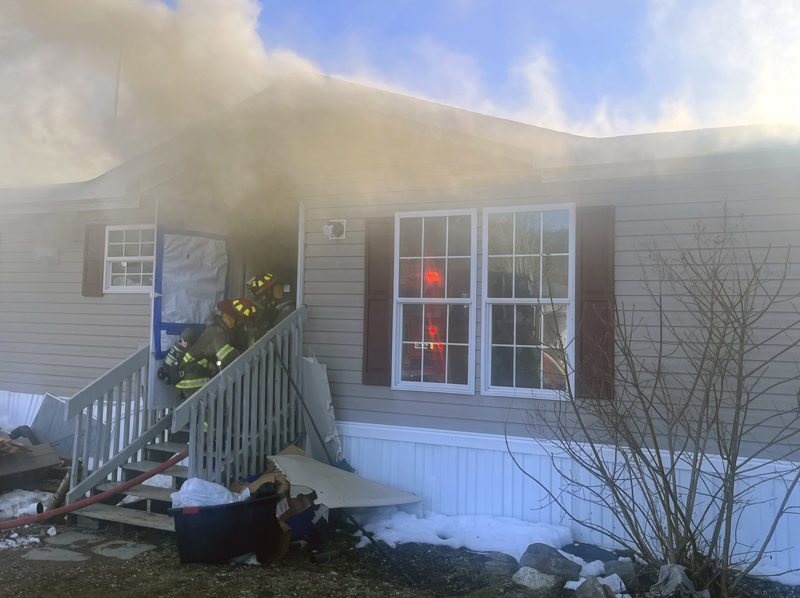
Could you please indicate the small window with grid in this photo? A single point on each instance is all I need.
(129, 258)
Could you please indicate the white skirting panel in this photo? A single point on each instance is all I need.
(18, 409)
(472, 474)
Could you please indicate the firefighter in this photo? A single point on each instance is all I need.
(268, 294)
(216, 346)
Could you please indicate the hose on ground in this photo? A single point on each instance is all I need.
(97, 497)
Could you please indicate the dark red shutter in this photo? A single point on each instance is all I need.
(594, 363)
(378, 277)
(94, 249)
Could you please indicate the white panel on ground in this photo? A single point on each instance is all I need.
(317, 395)
(337, 488)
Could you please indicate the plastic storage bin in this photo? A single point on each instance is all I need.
(217, 534)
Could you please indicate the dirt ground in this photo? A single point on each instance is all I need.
(437, 572)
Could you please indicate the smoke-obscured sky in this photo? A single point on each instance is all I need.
(85, 84)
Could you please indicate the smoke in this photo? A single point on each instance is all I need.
(85, 85)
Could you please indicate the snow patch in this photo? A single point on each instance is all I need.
(479, 533)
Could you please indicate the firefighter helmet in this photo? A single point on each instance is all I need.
(261, 284)
(241, 309)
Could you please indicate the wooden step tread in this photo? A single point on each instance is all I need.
(177, 471)
(167, 447)
(128, 516)
(141, 491)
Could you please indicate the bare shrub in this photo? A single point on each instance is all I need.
(705, 411)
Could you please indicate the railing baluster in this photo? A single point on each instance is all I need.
(291, 359)
(270, 397)
(230, 441)
(219, 438)
(262, 410)
(230, 395)
(246, 438)
(77, 455)
(87, 438)
(195, 443)
(285, 393)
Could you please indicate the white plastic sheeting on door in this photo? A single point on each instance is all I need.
(194, 269)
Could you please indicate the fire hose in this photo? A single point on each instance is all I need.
(97, 497)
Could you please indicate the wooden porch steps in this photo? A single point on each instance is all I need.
(125, 516)
(142, 505)
(141, 491)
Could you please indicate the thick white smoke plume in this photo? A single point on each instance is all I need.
(84, 85)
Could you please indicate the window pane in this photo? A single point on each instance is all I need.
(556, 231)
(132, 236)
(411, 237)
(501, 231)
(527, 325)
(410, 271)
(411, 366)
(528, 232)
(528, 364)
(502, 366)
(433, 281)
(147, 280)
(458, 236)
(148, 235)
(133, 281)
(434, 359)
(554, 326)
(502, 324)
(147, 267)
(412, 323)
(499, 279)
(147, 249)
(556, 276)
(527, 278)
(117, 268)
(457, 366)
(458, 277)
(554, 371)
(114, 250)
(459, 324)
(435, 324)
(131, 249)
(134, 267)
(434, 235)
(116, 236)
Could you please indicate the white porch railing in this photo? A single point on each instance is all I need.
(112, 424)
(247, 411)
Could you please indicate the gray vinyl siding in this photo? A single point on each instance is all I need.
(52, 339)
(653, 206)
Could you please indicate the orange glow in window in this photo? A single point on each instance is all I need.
(432, 276)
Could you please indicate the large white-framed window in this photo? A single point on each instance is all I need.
(528, 290)
(128, 262)
(433, 337)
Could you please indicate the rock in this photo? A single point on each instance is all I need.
(624, 569)
(588, 552)
(500, 563)
(535, 580)
(614, 582)
(548, 560)
(673, 581)
(592, 588)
